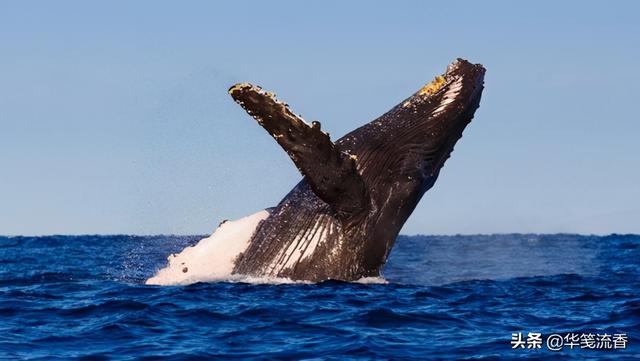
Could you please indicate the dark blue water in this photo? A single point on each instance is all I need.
(458, 297)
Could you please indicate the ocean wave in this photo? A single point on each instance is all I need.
(440, 297)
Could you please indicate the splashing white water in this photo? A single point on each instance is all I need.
(212, 258)
(372, 281)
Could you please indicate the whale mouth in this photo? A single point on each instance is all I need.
(456, 72)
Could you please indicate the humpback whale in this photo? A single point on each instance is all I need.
(341, 220)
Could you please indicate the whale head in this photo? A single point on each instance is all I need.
(400, 154)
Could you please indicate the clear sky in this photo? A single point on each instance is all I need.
(115, 118)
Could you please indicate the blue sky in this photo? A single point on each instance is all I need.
(114, 116)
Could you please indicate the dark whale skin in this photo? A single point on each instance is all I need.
(341, 220)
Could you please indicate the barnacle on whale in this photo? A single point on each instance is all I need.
(436, 84)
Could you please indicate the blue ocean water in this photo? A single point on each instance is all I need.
(449, 297)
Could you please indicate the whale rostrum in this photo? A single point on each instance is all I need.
(341, 220)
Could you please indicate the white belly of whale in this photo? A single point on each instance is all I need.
(212, 258)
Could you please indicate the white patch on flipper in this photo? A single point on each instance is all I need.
(212, 258)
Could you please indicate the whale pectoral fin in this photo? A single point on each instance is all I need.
(331, 173)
